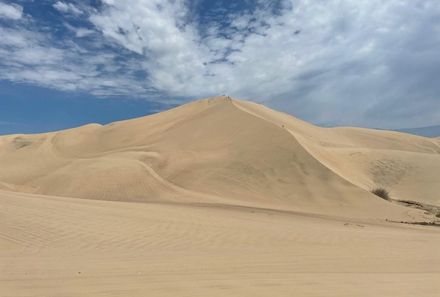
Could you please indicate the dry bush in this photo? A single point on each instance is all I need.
(382, 193)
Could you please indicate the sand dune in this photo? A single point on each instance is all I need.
(227, 151)
(218, 197)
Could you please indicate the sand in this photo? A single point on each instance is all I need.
(218, 197)
(53, 246)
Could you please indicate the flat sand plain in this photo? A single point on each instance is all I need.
(52, 246)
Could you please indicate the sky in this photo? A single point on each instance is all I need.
(366, 63)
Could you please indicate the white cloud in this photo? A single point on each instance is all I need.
(67, 8)
(82, 32)
(259, 57)
(34, 57)
(79, 31)
(10, 11)
(156, 30)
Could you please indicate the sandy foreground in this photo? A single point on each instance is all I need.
(52, 246)
(218, 197)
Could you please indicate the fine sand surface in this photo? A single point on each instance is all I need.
(218, 197)
(53, 246)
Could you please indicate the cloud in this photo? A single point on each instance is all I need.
(79, 31)
(82, 32)
(10, 11)
(34, 57)
(67, 8)
(366, 62)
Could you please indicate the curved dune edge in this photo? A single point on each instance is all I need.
(218, 150)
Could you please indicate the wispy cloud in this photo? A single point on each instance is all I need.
(67, 8)
(31, 54)
(10, 11)
(316, 59)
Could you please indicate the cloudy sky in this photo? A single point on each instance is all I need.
(363, 63)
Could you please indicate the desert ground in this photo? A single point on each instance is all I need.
(219, 197)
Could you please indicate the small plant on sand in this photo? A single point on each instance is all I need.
(382, 193)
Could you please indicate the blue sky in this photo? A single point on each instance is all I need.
(363, 63)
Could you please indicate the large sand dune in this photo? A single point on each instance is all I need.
(219, 150)
(218, 197)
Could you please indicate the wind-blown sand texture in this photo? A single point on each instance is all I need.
(218, 197)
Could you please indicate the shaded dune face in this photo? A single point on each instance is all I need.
(219, 150)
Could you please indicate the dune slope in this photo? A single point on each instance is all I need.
(406, 165)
